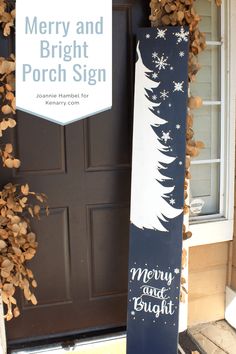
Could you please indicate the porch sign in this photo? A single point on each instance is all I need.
(63, 58)
(157, 192)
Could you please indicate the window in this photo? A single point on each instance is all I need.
(212, 183)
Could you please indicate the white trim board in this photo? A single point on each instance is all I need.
(211, 232)
(3, 342)
(230, 308)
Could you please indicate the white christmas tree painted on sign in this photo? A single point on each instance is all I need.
(151, 207)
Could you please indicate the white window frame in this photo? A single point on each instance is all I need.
(219, 228)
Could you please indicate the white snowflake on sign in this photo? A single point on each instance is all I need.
(132, 313)
(166, 136)
(164, 94)
(180, 163)
(154, 75)
(155, 55)
(176, 270)
(181, 54)
(178, 126)
(172, 201)
(147, 35)
(171, 68)
(154, 97)
(161, 33)
(182, 36)
(169, 104)
(178, 86)
(160, 61)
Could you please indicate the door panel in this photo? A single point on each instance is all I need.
(33, 133)
(84, 168)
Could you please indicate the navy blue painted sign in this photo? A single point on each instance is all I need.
(157, 192)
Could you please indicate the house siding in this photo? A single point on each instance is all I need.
(208, 269)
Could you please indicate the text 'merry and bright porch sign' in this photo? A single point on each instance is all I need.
(63, 58)
(157, 191)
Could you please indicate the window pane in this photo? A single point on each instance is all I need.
(207, 84)
(205, 185)
(206, 126)
(210, 15)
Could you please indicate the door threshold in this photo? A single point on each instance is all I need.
(107, 344)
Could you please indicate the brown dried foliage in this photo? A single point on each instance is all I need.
(173, 13)
(17, 203)
(17, 243)
(7, 17)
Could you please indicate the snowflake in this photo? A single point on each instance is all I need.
(147, 35)
(181, 54)
(164, 94)
(180, 163)
(172, 201)
(160, 61)
(166, 136)
(178, 126)
(161, 33)
(158, 111)
(182, 35)
(154, 97)
(171, 68)
(176, 270)
(132, 313)
(169, 104)
(154, 75)
(154, 55)
(178, 86)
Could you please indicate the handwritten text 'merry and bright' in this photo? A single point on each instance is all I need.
(165, 279)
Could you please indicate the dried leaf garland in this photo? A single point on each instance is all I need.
(7, 17)
(17, 243)
(18, 203)
(8, 109)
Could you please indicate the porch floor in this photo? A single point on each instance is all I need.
(215, 337)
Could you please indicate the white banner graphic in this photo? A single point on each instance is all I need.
(63, 58)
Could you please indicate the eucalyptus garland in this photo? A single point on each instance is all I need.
(18, 204)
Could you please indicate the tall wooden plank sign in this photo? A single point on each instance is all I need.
(157, 192)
